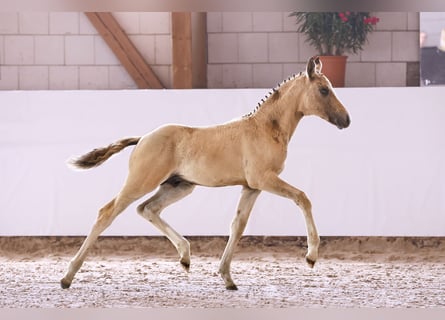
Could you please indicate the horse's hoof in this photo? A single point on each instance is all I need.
(185, 265)
(310, 262)
(65, 284)
(232, 287)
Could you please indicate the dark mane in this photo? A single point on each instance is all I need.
(272, 95)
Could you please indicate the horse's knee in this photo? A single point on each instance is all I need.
(303, 201)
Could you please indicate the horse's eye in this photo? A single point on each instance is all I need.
(324, 91)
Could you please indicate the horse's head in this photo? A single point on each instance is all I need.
(320, 99)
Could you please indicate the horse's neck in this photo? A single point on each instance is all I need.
(280, 114)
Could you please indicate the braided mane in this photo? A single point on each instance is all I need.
(272, 95)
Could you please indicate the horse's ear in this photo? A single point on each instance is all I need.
(318, 64)
(310, 68)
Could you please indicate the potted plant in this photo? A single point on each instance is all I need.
(334, 34)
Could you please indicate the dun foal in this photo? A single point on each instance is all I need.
(249, 151)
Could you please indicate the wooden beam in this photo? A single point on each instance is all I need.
(182, 50)
(125, 51)
(199, 49)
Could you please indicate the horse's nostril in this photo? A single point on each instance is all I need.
(348, 121)
(343, 122)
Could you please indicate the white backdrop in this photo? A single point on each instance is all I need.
(383, 176)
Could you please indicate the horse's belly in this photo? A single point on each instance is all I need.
(213, 174)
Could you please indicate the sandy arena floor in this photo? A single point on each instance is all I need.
(269, 272)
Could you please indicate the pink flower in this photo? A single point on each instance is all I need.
(343, 17)
(371, 20)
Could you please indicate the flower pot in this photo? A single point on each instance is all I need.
(334, 67)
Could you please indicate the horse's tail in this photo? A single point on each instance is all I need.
(98, 156)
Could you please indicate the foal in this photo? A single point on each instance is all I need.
(249, 152)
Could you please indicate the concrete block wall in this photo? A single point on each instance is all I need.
(251, 49)
(62, 50)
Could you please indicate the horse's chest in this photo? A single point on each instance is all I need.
(270, 159)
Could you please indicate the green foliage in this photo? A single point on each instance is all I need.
(335, 33)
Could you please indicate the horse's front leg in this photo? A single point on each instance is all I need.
(246, 202)
(274, 184)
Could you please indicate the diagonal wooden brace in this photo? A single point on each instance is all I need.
(125, 51)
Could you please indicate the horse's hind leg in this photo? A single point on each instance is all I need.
(246, 202)
(168, 193)
(106, 216)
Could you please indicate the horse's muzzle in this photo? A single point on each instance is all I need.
(344, 124)
(341, 122)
